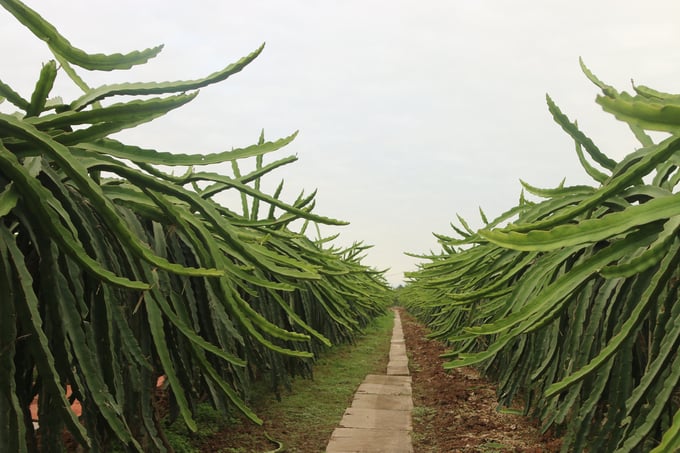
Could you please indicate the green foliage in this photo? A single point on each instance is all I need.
(572, 301)
(114, 272)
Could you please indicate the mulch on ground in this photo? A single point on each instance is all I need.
(455, 410)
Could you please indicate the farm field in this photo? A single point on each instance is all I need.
(454, 411)
(157, 301)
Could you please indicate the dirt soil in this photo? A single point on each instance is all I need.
(455, 410)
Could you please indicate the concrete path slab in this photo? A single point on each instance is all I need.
(397, 349)
(389, 380)
(388, 402)
(398, 361)
(356, 417)
(398, 370)
(348, 440)
(385, 389)
(379, 419)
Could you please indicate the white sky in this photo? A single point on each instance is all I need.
(409, 112)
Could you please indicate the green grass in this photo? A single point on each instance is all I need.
(422, 415)
(306, 415)
(492, 446)
(318, 405)
(210, 422)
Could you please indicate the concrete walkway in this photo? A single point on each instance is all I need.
(379, 419)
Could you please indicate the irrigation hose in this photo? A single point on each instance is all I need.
(280, 447)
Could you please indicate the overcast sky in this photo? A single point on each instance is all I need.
(409, 112)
